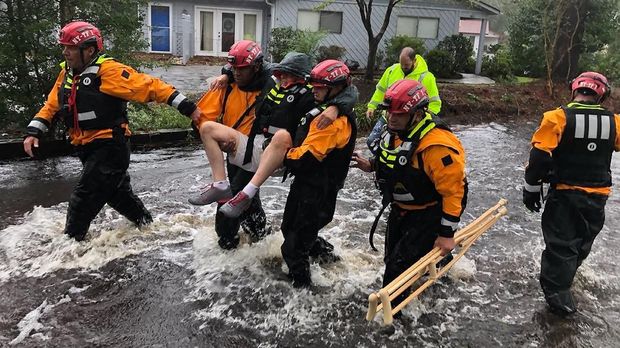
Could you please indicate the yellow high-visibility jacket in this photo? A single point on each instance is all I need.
(420, 73)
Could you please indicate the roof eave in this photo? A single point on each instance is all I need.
(491, 9)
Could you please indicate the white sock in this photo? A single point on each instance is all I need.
(222, 185)
(250, 190)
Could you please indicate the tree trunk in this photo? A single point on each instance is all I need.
(373, 45)
(568, 43)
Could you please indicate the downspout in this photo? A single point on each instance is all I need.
(273, 17)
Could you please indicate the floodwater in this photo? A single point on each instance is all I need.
(171, 285)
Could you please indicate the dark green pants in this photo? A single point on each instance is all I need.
(104, 180)
(308, 209)
(570, 223)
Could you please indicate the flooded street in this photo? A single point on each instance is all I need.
(171, 285)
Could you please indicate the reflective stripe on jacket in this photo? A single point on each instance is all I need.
(549, 136)
(426, 171)
(116, 80)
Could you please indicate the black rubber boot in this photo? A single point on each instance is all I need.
(301, 279)
(561, 303)
(228, 244)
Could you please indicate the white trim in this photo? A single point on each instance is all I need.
(402, 197)
(177, 100)
(88, 115)
(149, 25)
(38, 125)
(531, 188)
(451, 224)
(605, 127)
(580, 126)
(592, 126)
(217, 25)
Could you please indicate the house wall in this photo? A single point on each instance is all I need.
(178, 8)
(488, 41)
(354, 36)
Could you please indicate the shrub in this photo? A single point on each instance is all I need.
(364, 124)
(155, 116)
(29, 54)
(285, 40)
(461, 49)
(380, 63)
(440, 63)
(330, 52)
(282, 41)
(499, 65)
(394, 45)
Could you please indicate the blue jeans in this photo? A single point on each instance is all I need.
(376, 132)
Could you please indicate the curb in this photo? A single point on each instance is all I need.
(13, 149)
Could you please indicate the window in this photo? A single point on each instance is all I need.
(424, 28)
(328, 21)
(160, 28)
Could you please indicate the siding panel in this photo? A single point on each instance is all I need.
(354, 36)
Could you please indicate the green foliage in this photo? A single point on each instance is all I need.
(461, 49)
(441, 63)
(287, 39)
(364, 124)
(606, 61)
(155, 116)
(29, 54)
(526, 38)
(530, 19)
(498, 66)
(394, 45)
(330, 52)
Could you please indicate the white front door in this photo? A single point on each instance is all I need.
(217, 29)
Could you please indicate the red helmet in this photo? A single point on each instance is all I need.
(593, 81)
(329, 73)
(80, 34)
(245, 53)
(405, 96)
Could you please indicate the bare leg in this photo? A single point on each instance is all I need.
(272, 157)
(213, 134)
(270, 160)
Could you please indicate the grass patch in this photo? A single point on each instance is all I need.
(525, 79)
(152, 117)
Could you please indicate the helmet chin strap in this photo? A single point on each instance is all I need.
(84, 65)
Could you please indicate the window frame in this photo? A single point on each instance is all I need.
(150, 25)
(320, 20)
(417, 26)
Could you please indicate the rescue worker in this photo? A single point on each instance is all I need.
(420, 170)
(237, 120)
(319, 160)
(284, 105)
(571, 150)
(233, 108)
(90, 95)
(411, 66)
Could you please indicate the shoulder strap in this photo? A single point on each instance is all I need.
(245, 113)
(226, 94)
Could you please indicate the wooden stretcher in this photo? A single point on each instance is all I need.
(464, 238)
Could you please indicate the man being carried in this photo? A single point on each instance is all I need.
(320, 164)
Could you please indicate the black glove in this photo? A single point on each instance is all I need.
(531, 200)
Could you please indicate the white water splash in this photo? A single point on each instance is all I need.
(30, 322)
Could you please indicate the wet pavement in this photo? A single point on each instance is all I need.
(171, 285)
(187, 78)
